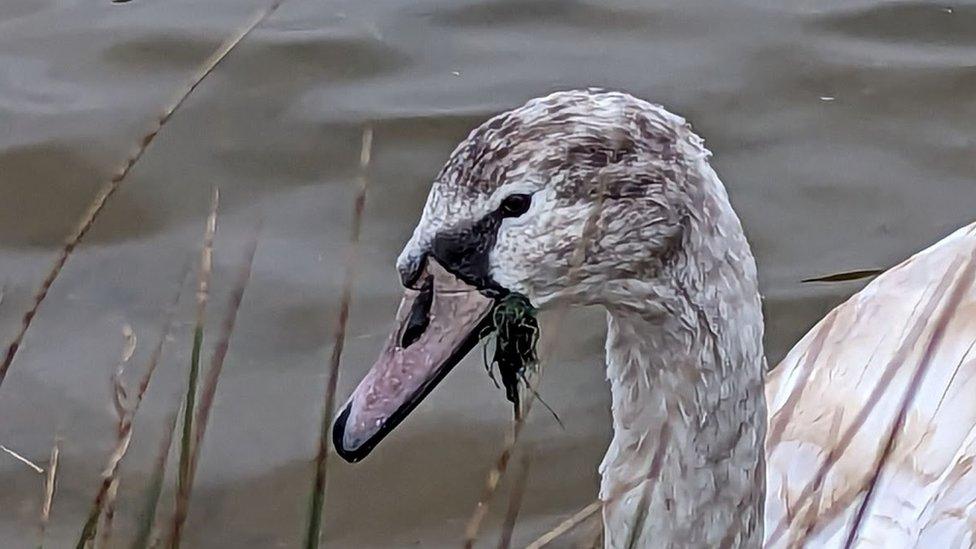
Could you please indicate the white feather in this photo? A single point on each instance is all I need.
(880, 398)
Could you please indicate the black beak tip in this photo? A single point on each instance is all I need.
(338, 434)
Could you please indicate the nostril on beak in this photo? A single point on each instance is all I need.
(419, 316)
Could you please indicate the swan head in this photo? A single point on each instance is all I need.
(574, 198)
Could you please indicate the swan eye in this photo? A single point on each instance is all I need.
(515, 205)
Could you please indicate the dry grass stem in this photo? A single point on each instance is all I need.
(120, 397)
(514, 504)
(209, 389)
(50, 485)
(109, 189)
(120, 394)
(494, 477)
(204, 274)
(590, 229)
(317, 499)
(22, 459)
(649, 481)
(566, 525)
(592, 536)
(144, 535)
(105, 497)
(109, 516)
(500, 466)
(846, 276)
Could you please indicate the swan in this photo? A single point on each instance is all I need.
(864, 434)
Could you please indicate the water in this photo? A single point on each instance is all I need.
(844, 131)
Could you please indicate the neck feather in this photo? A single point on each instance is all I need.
(685, 467)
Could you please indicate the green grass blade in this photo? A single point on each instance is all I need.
(186, 440)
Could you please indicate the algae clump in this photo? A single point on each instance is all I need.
(516, 329)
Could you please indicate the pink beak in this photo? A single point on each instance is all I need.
(436, 327)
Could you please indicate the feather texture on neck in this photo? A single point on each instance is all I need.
(685, 361)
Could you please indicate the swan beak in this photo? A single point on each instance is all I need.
(435, 328)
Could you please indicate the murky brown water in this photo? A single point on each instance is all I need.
(844, 131)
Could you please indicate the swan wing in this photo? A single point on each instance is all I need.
(872, 425)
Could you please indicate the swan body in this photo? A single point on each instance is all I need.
(872, 430)
(589, 197)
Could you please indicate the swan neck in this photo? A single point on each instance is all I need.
(685, 466)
